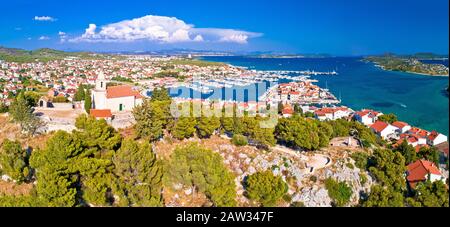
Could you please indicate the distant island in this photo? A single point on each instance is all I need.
(290, 56)
(44, 55)
(410, 63)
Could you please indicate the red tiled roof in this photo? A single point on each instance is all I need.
(400, 124)
(419, 170)
(433, 135)
(379, 126)
(288, 110)
(367, 112)
(122, 91)
(101, 113)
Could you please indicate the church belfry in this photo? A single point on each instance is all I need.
(100, 83)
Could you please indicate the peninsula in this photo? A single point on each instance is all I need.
(410, 64)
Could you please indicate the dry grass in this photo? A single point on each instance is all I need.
(197, 200)
(13, 189)
(12, 131)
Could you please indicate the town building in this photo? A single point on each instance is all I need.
(421, 171)
(384, 130)
(117, 98)
(402, 126)
(102, 114)
(332, 113)
(367, 117)
(435, 138)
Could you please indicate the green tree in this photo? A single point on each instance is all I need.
(184, 128)
(428, 194)
(152, 118)
(202, 170)
(139, 174)
(14, 161)
(300, 132)
(32, 98)
(207, 126)
(280, 107)
(252, 128)
(80, 94)
(21, 201)
(325, 132)
(88, 101)
(407, 151)
(239, 140)
(431, 154)
(100, 138)
(297, 109)
(3, 107)
(339, 192)
(384, 197)
(388, 118)
(161, 94)
(265, 188)
(56, 183)
(388, 167)
(361, 160)
(76, 169)
(56, 187)
(22, 113)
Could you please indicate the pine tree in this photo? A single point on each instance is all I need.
(265, 188)
(80, 94)
(139, 174)
(207, 126)
(88, 102)
(14, 161)
(184, 128)
(202, 169)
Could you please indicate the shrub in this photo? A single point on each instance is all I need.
(265, 188)
(339, 192)
(363, 178)
(361, 159)
(350, 165)
(239, 140)
(297, 204)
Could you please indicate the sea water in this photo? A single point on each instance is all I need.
(416, 99)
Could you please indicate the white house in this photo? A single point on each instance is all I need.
(332, 113)
(116, 99)
(367, 117)
(383, 129)
(436, 138)
(423, 170)
(402, 126)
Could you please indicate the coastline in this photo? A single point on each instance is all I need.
(417, 73)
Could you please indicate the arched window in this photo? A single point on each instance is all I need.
(101, 84)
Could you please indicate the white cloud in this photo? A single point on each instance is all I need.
(161, 29)
(44, 38)
(62, 36)
(199, 38)
(44, 18)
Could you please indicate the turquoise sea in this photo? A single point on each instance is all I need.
(419, 100)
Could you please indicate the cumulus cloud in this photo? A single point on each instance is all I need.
(161, 29)
(44, 18)
(44, 38)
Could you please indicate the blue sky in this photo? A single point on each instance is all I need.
(341, 27)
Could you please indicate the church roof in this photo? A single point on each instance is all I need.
(122, 91)
(101, 113)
